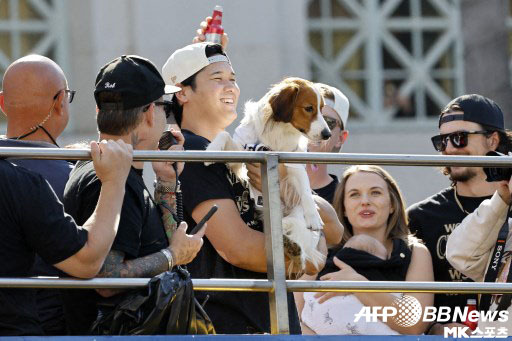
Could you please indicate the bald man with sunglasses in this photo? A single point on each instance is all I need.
(468, 125)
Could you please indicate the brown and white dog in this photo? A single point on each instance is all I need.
(287, 116)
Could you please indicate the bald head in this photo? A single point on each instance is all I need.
(31, 82)
(29, 85)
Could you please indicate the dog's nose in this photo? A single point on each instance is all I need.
(326, 133)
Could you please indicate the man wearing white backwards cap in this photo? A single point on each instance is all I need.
(235, 243)
(335, 113)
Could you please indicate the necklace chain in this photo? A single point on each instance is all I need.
(458, 201)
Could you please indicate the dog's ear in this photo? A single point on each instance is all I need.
(283, 103)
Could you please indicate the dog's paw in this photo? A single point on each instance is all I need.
(314, 221)
(208, 163)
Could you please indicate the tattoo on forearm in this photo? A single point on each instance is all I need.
(166, 201)
(116, 266)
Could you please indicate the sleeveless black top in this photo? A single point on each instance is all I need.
(372, 267)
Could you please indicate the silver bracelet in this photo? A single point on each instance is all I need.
(168, 255)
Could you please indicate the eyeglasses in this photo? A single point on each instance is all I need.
(331, 122)
(167, 107)
(459, 139)
(69, 93)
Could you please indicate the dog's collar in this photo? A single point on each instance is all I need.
(257, 147)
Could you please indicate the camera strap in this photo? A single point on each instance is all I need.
(492, 269)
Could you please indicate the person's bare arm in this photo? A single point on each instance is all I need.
(237, 243)
(183, 248)
(112, 161)
(420, 270)
(333, 229)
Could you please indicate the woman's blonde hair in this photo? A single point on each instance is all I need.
(397, 226)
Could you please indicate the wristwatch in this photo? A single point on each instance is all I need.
(159, 187)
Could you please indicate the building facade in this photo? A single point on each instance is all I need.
(398, 61)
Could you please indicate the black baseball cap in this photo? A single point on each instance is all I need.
(476, 108)
(135, 79)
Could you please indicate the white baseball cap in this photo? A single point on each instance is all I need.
(340, 104)
(186, 61)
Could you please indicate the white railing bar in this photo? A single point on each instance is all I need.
(262, 285)
(228, 156)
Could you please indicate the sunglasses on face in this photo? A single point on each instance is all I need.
(166, 106)
(331, 122)
(459, 139)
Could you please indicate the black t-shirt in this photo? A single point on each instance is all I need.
(433, 220)
(32, 220)
(231, 312)
(56, 172)
(141, 232)
(327, 192)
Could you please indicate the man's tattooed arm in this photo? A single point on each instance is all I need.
(167, 202)
(116, 266)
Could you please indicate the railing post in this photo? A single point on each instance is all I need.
(274, 245)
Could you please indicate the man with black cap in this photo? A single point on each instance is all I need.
(129, 96)
(468, 125)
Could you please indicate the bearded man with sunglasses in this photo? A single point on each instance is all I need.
(129, 96)
(468, 125)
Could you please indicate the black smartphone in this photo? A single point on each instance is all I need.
(167, 140)
(204, 220)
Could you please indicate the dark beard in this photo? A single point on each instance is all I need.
(466, 175)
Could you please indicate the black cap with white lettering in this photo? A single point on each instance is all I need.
(129, 82)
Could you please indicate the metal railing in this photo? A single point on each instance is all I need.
(277, 286)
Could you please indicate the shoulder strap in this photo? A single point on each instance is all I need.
(492, 270)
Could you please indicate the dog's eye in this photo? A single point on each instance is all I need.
(309, 108)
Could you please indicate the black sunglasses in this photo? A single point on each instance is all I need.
(331, 122)
(69, 93)
(459, 139)
(167, 107)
